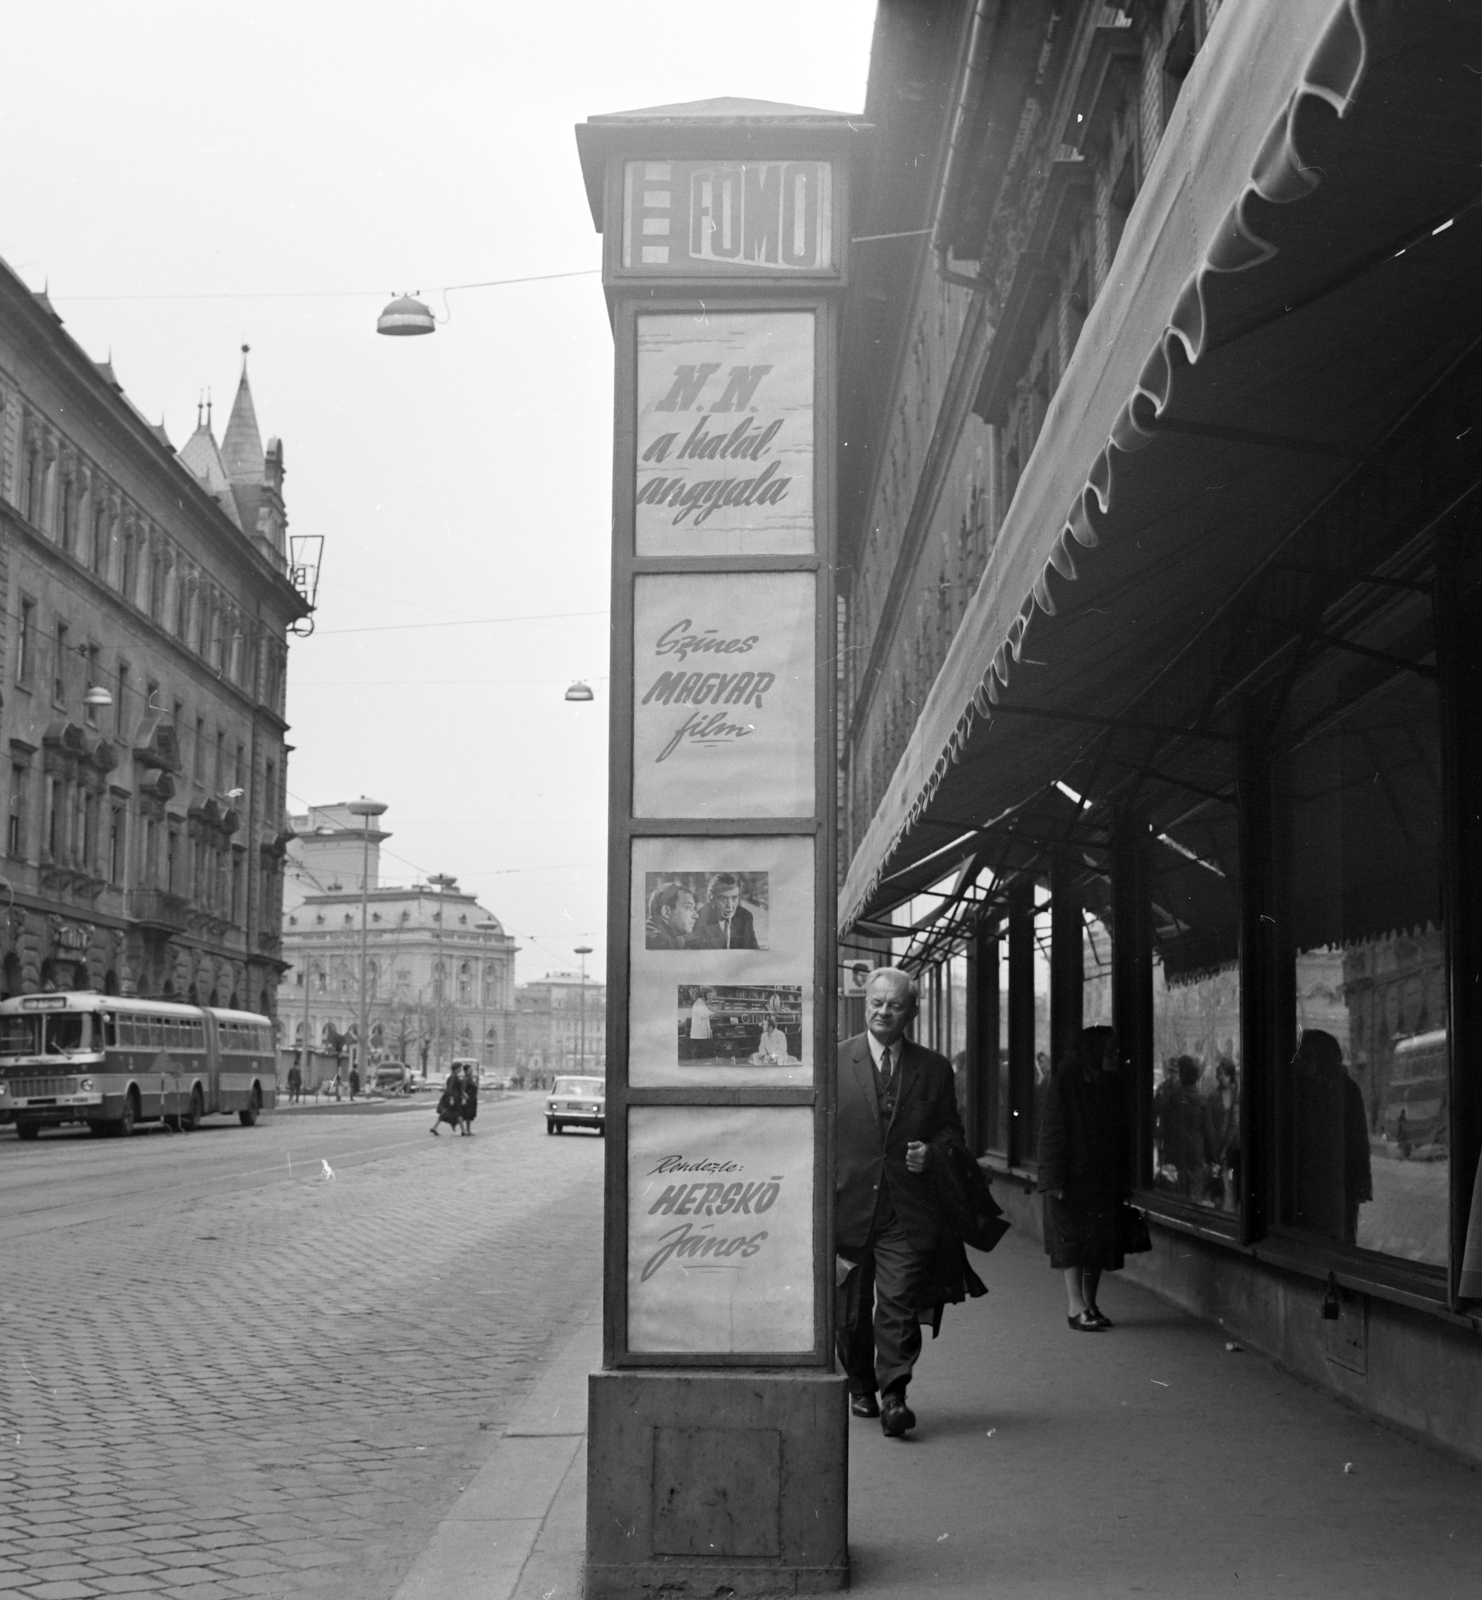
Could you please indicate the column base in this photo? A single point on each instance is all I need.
(706, 1483)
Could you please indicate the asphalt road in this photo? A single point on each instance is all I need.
(224, 1373)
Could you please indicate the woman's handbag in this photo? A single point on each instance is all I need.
(1133, 1238)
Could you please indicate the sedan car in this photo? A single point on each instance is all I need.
(576, 1103)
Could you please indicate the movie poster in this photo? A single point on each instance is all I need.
(721, 963)
(720, 1229)
(723, 694)
(725, 434)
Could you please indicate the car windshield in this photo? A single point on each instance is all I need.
(595, 1086)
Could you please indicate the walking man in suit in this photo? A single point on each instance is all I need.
(897, 1104)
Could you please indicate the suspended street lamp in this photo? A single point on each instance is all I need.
(578, 691)
(406, 315)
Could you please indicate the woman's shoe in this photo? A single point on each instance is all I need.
(1086, 1323)
(433, 1130)
(1099, 1317)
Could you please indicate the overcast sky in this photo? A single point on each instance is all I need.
(189, 176)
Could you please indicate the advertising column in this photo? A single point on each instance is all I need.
(717, 1428)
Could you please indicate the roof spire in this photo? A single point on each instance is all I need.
(241, 444)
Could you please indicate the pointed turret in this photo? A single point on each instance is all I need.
(241, 445)
(200, 454)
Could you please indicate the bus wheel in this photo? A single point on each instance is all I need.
(124, 1126)
(28, 1130)
(191, 1120)
(248, 1117)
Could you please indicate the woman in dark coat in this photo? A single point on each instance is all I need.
(1083, 1172)
(450, 1103)
(470, 1098)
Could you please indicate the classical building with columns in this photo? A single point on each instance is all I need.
(145, 605)
(440, 969)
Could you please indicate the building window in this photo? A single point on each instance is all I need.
(465, 984)
(1364, 1103)
(59, 664)
(219, 779)
(98, 553)
(270, 798)
(117, 842)
(15, 825)
(25, 643)
(200, 750)
(53, 819)
(157, 587)
(90, 660)
(172, 860)
(120, 712)
(34, 481)
(127, 570)
(65, 494)
(149, 864)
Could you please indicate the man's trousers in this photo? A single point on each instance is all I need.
(878, 1331)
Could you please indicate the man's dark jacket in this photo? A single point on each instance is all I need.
(870, 1154)
(711, 933)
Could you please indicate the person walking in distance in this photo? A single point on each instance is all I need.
(896, 1104)
(470, 1103)
(1083, 1172)
(450, 1102)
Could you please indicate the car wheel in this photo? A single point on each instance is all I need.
(550, 1124)
(248, 1118)
(601, 1130)
(28, 1130)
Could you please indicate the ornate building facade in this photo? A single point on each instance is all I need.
(439, 968)
(145, 604)
(562, 1027)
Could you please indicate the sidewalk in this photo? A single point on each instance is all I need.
(1046, 1465)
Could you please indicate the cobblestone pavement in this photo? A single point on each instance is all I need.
(241, 1381)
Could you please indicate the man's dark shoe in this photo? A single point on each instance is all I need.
(864, 1405)
(896, 1417)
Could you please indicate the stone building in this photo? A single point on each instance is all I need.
(439, 967)
(146, 606)
(1160, 569)
(562, 1027)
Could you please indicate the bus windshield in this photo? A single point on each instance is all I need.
(53, 1034)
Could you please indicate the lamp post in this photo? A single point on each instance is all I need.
(365, 810)
(440, 881)
(583, 950)
(485, 927)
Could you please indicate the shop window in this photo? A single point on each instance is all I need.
(1364, 1102)
(1195, 1058)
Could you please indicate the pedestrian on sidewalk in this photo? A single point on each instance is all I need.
(354, 1082)
(295, 1086)
(470, 1103)
(896, 1103)
(1083, 1173)
(450, 1102)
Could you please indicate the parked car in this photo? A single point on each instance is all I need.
(576, 1103)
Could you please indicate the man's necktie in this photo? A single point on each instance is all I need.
(887, 1067)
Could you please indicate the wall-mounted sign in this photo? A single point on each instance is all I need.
(725, 434)
(720, 1229)
(731, 218)
(720, 993)
(723, 710)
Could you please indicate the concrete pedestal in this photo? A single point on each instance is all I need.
(716, 1483)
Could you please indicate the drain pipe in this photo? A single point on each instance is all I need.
(954, 145)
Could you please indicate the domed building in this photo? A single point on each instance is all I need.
(439, 967)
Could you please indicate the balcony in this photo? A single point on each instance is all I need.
(158, 911)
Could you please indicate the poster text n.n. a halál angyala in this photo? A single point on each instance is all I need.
(725, 434)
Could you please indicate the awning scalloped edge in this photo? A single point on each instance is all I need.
(1280, 176)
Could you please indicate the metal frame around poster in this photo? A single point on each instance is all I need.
(632, 300)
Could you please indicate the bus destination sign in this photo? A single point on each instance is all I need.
(729, 218)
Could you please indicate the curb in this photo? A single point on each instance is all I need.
(517, 1532)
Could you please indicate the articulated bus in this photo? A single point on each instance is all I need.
(112, 1062)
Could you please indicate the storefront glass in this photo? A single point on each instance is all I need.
(1365, 1098)
(1195, 1062)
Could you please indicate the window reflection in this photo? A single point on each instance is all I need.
(1368, 1132)
(1196, 1006)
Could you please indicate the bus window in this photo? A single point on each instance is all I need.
(20, 1036)
(110, 1029)
(65, 1032)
